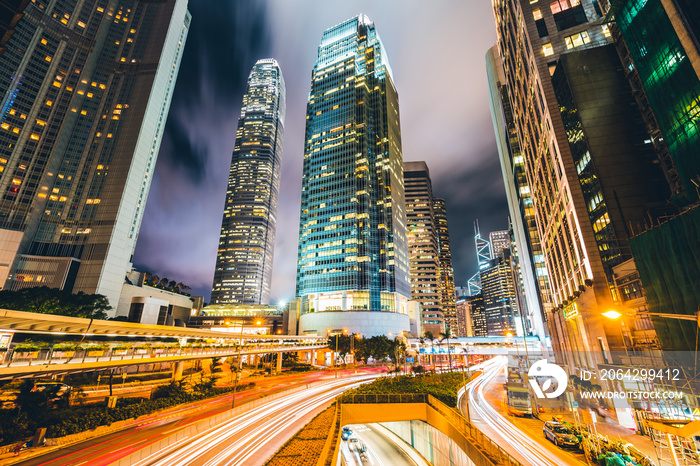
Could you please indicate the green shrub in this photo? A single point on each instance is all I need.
(442, 386)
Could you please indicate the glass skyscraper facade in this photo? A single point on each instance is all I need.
(353, 253)
(246, 244)
(86, 87)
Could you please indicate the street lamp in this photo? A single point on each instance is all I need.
(337, 332)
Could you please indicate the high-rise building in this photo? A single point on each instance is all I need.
(352, 269)
(477, 315)
(464, 319)
(499, 240)
(247, 241)
(532, 286)
(483, 256)
(662, 40)
(500, 301)
(589, 167)
(447, 276)
(86, 88)
(423, 248)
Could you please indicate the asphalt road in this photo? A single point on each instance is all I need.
(381, 449)
(275, 424)
(521, 438)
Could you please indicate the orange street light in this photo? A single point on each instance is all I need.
(612, 314)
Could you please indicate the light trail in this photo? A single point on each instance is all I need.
(235, 441)
(515, 439)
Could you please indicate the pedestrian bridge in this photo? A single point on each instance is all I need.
(80, 345)
(383, 408)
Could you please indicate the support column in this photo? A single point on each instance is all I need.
(278, 369)
(177, 370)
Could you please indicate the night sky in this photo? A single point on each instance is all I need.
(436, 50)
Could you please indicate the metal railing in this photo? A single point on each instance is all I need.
(51, 356)
(384, 398)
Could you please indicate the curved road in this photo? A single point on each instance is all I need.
(485, 417)
(274, 423)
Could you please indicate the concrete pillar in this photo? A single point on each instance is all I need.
(278, 369)
(177, 370)
(313, 357)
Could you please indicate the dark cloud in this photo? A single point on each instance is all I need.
(436, 50)
(472, 194)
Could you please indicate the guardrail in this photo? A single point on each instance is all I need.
(488, 447)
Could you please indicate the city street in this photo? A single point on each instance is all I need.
(528, 444)
(249, 438)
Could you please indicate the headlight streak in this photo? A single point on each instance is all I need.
(529, 449)
(190, 450)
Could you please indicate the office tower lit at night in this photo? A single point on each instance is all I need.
(534, 300)
(499, 240)
(447, 276)
(352, 270)
(590, 167)
(86, 91)
(423, 249)
(246, 244)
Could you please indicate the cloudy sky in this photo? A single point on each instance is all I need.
(436, 50)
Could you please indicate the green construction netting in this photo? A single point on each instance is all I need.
(668, 261)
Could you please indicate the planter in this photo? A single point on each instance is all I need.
(95, 353)
(63, 354)
(120, 352)
(141, 351)
(26, 354)
(159, 351)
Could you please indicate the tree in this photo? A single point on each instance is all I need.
(44, 300)
(154, 279)
(172, 284)
(446, 336)
(379, 347)
(163, 282)
(429, 336)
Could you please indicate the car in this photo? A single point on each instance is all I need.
(346, 433)
(559, 434)
(354, 444)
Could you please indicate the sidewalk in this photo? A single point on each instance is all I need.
(614, 431)
(554, 408)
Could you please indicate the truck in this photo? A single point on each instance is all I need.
(518, 399)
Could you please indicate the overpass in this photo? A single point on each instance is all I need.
(121, 344)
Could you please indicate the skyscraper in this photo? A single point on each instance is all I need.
(587, 160)
(247, 241)
(447, 276)
(423, 245)
(353, 253)
(86, 88)
(534, 292)
(662, 39)
(500, 301)
(499, 240)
